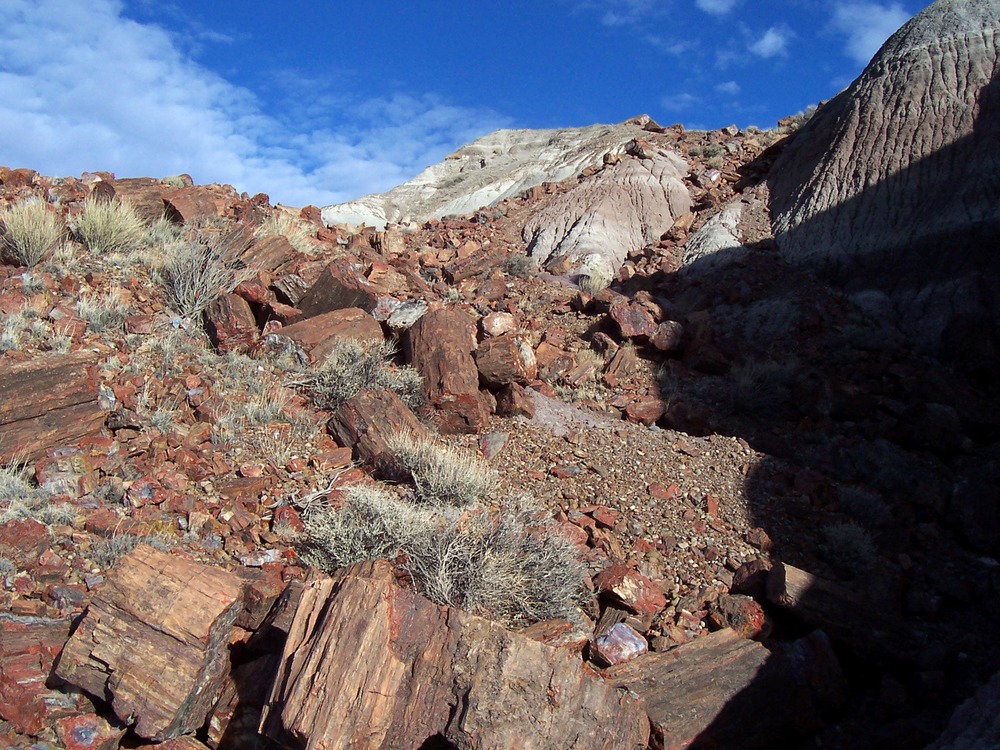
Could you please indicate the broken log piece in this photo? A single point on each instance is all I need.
(154, 641)
(319, 334)
(46, 402)
(479, 262)
(371, 664)
(340, 285)
(368, 420)
(846, 615)
(724, 691)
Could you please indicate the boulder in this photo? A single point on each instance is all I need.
(154, 641)
(368, 420)
(506, 359)
(404, 673)
(230, 324)
(340, 285)
(892, 190)
(318, 335)
(440, 347)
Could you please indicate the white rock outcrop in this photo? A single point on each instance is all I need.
(497, 166)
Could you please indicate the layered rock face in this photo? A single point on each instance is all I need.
(496, 166)
(590, 229)
(892, 189)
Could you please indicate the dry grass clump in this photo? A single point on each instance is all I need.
(25, 329)
(107, 552)
(507, 565)
(594, 273)
(443, 475)
(109, 227)
(849, 548)
(29, 232)
(20, 498)
(282, 223)
(199, 272)
(353, 366)
(104, 313)
(760, 387)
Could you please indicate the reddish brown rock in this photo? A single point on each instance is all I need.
(751, 579)
(408, 673)
(88, 732)
(28, 649)
(498, 324)
(230, 324)
(667, 336)
(628, 588)
(196, 204)
(270, 253)
(514, 401)
(48, 402)
(741, 613)
(368, 420)
(721, 690)
(318, 335)
(144, 194)
(342, 284)
(633, 320)
(647, 412)
(153, 641)
(506, 359)
(440, 346)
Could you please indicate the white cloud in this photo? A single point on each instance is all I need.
(87, 89)
(625, 12)
(729, 88)
(866, 26)
(774, 42)
(679, 102)
(716, 7)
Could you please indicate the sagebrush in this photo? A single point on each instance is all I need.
(30, 232)
(443, 475)
(109, 227)
(353, 366)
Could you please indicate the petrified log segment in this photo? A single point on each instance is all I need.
(153, 641)
(340, 285)
(318, 334)
(370, 664)
(368, 420)
(47, 402)
(840, 611)
(440, 346)
(728, 692)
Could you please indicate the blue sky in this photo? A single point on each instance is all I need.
(319, 102)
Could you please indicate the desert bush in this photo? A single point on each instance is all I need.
(594, 273)
(108, 227)
(20, 498)
(520, 266)
(443, 475)
(848, 548)
(864, 505)
(30, 232)
(282, 223)
(104, 313)
(507, 565)
(198, 273)
(760, 387)
(107, 552)
(353, 366)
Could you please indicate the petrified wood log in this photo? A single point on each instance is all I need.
(154, 641)
(370, 664)
(49, 401)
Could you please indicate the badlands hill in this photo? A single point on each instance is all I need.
(608, 438)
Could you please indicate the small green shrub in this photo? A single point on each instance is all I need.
(30, 232)
(864, 505)
(353, 366)
(109, 227)
(443, 475)
(760, 387)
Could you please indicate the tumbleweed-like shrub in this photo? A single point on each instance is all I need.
(353, 366)
(443, 475)
(29, 232)
(109, 227)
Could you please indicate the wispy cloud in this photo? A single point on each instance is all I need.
(773, 42)
(716, 7)
(866, 26)
(681, 102)
(728, 88)
(625, 12)
(166, 114)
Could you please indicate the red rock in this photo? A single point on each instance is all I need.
(618, 645)
(368, 420)
(759, 539)
(633, 320)
(741, 613)
(506, 359)
(712, 505)
(440, 346)
(196, 204)
(88, 732)
(646, 412)
(270, 253)
(340, 285)
(498, 324)
(662, 492)
(514, 401)
(318, 335)
(630, 589)
(606, 518)
(230, 324)
(667, 336)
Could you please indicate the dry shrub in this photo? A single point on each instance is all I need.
(199, 272)
(104, 313)
(109, 227)
(507, 565)
(443, 475)
(849, 548)
(353, 366)
(282, 223)
(30, 232)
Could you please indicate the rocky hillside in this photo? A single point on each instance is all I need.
(596, 465)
